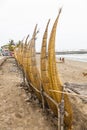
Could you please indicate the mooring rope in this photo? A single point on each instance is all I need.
(56, 91)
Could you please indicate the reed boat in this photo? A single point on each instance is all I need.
(44, 70)
(49, 80)
(54, 77)
(33, 71)
(24, 61)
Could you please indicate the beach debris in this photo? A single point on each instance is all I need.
(84, 73)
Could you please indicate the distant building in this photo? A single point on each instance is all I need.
(5, 47)
(5, 50)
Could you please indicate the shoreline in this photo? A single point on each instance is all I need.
(74, 57)
(73, 71)
(70, 70)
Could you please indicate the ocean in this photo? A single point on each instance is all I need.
(75, 57)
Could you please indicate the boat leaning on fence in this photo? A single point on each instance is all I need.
(44, 84)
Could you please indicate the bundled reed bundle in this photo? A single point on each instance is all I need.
(49, 80)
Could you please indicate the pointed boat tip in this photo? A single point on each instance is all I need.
(35, 32)
(48, 22)
(36, 26)
(59, 11)
(28, 36)
(23, 39)
(26, 39)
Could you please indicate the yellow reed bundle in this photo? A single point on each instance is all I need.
(54, 76)
(32, 65)
(44, 71)
(24, 55)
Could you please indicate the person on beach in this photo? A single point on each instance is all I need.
(63, 59)
(60, 58)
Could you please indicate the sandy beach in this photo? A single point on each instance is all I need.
(72, 72)
(75, 72)
(17, 114)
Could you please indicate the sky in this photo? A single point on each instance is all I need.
(19, 17)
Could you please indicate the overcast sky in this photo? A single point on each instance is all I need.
(18, 18)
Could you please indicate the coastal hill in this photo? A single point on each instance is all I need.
(72, 52)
